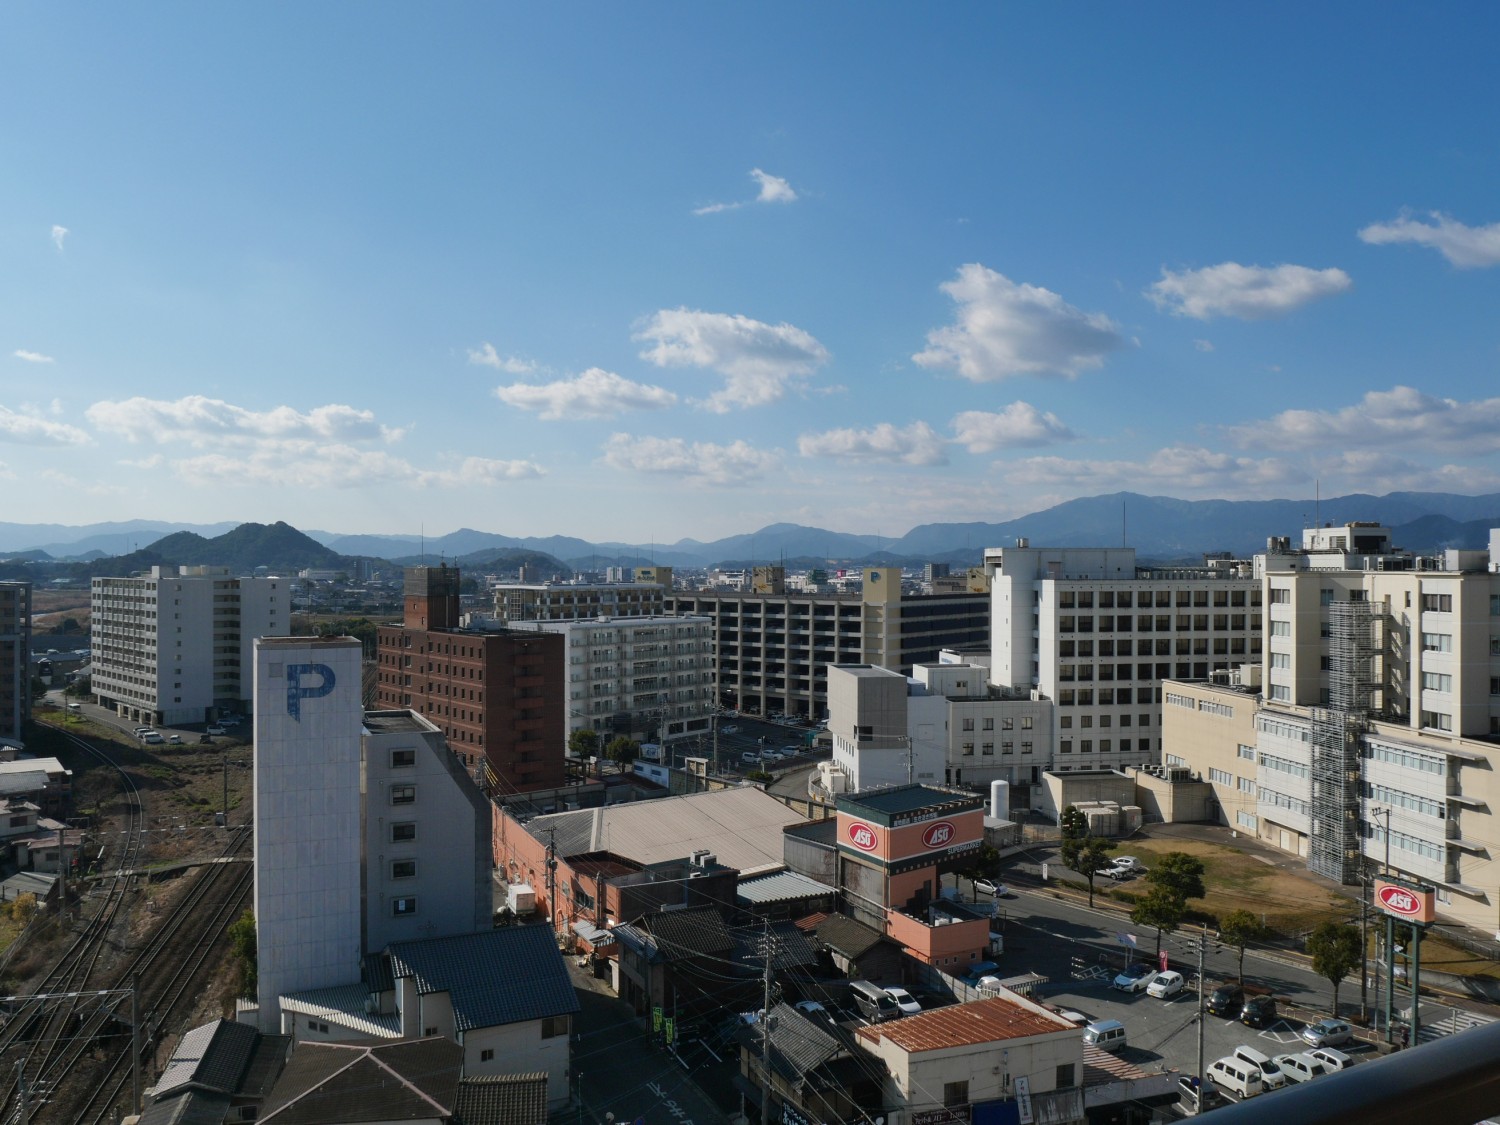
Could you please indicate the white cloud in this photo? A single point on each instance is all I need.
(594, 394)
(58, 234)
(486, 356)
(1376, 471)
(1018, 424)
(757, 360)
(699, 462)
(1204, 345)
(206, 421)
(1399, 416)
(773, 189)
(1181, 468)
(1246, 292)
(27, 429)
(1464, 246)
(32, 357)
(314, 465)
(916, 444)
(1004, 329)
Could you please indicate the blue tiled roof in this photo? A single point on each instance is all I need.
(493, 977)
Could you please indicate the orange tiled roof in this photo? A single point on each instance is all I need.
(962, 1025)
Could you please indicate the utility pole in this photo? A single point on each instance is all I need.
(1202, 945)
(1364, 944)
(224, 757)
(24, 1114)
(552, 879)
(135, 1042)
(765, 1034)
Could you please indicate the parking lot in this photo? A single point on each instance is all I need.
(742, 742)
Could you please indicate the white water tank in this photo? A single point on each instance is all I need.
(1000, 800)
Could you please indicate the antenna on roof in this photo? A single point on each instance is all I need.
(1317, 503)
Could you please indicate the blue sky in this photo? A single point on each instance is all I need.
(658, 271)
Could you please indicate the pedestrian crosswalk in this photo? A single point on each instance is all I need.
(1457, 1020)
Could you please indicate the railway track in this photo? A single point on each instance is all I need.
(68, 1033)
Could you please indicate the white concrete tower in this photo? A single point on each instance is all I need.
(308, 725)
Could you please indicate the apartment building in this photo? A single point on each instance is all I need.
(582, 601)
(648, 678)
(15, 657)
(1096, 633)
(945, 724)
(774, 645)
(1376, 728)
(369, 832)
(178, 647)
(497, 694)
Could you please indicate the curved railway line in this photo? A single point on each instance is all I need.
(68, 1032)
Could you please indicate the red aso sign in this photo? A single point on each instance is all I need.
(940, 834)
(1399, 900)
(862, 836)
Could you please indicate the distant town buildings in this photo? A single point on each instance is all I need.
(177, 646)
(497, 694)
(15, 655)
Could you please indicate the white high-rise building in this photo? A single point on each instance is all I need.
(645, 677)
(1097, 634)
(176, 647)
(1369, 731)
(308, 835)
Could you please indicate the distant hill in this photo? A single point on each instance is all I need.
(506, 558)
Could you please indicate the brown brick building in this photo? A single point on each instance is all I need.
(497, 695)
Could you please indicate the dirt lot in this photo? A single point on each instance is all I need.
(49, 608)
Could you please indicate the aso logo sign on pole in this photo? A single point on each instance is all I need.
(1412, 903)
(863, 836)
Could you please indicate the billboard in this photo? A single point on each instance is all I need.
(1411, 902)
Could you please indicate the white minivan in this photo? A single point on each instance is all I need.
(1236, 1075)
(1270, 1074)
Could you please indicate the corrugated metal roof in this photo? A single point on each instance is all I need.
(493, 977)
(345, 1005)
(798, 1045)
(965, 1025)
(781, 886)
(742, 826)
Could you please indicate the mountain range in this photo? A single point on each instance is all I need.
(1159, 527)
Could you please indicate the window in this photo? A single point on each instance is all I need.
(1282, 660)
(1086, 746)
(1437, 681)
(402, 907)
(1246, 752)
(1246, 784)
(1221, 777)
(1281, 693)
(956, 1093)
(403, 869)
(968, 724)
(1439, 642)
(1026, 748)
(987, 749)
(403, 833)
(1281, 595)
(989, 723)
(403, 759)
(1025, 722)
(1007, 723)
(487, 1055)
(1281, 628)
(1064, 1075)
(403, 794)
(1066, 721)
(968, 750)
(430, 1030)
(1437, 720)
(1325, 597)
(1439, 603)
(1247, 820)
(1066, 746)
(553, 1026)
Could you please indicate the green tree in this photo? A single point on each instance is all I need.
(1088, 857)
(1161, 908)
(583, 743)
(242, 942)
(986, 862)
(1073, 823)
(622, 749)
(80, 687)
(1179, 873)
(1239, 928)
(1334, 948)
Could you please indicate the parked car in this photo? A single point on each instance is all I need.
(1226, 1000)
(138, 731)
(750, 758)
(1107, 1035)
(814, 1011)
(1236, 1075)
(990, 887)
(216, 729)
(980, 969)
(1135, 978)
(1196, 1095)
(1166, 985)
(1332, 1060)
(1259, 1011)
(729, 728)
(790, 751)
(174, 738)
(1271, 1076)
(1124, 867)
(1328, 1033)
(1300, 1067)
(229, 720)
(904, 1000)
(152, 738)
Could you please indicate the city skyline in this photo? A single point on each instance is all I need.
(669, 273)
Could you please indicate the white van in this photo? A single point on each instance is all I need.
(1270, 1074)
(1237, 1075)
(1107, 1035)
